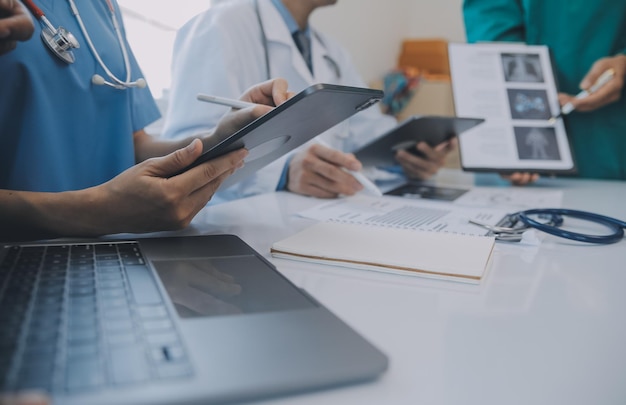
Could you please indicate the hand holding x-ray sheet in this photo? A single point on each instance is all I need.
(512, 87)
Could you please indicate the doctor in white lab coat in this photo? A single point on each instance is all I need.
(239, 43)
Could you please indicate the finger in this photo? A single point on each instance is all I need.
(280, 92)
(521, 178)
(21, 27)
(336, 157)
(319, 187)
(320, 179)
(200, 175)
(205, 179)
(565, 98)
(17, 26)
(178, 160)
(605, 95)
(237, 119)
(334, 179)
(410, 159)
(329, 164)
(594, 73)
(453, 144)
(271, 92)
(437, 153)
(427, 151)
(416, 166)
(202, 195)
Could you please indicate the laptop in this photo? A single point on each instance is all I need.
(185, 320)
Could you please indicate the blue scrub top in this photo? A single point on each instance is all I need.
(58, 131)
(578, 33)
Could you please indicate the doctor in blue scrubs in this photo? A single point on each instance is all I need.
(16, 25)
(74, 157)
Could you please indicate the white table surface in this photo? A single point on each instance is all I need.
(547, 325)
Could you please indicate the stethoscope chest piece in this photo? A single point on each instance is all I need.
(60, 42)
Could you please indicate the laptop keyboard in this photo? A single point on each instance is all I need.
(83, 317)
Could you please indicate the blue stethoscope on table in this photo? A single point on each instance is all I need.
(61, 42)
(551, 220)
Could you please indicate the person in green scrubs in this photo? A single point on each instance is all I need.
(585, 38)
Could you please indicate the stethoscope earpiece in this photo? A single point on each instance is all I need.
(99, 81)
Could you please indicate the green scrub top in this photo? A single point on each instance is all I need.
(578, 33)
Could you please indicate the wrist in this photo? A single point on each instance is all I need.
(73, 213)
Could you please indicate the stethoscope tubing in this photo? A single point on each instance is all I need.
(615, 225)
(66, 54)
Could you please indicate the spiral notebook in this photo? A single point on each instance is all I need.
(440, 255)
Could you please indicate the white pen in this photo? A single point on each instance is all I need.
(229, 102)
(601, 81)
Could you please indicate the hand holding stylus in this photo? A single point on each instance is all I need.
(601, 86)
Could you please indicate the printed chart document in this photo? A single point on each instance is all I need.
(512, 87)
(403, 213)
(512, 198)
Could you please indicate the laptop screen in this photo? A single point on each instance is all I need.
(227, 286)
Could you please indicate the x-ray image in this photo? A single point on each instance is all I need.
(522, 67)
(517, 134)
(529, 104)
(536, 143)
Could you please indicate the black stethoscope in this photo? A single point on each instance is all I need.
(551, 220)
(332, 63)
(61, 42)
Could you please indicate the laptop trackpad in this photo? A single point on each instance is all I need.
(227, 286)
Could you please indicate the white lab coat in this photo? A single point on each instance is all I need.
(221, 52)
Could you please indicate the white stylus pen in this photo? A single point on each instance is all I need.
(229, 102)
(369, 186)
(601, 81)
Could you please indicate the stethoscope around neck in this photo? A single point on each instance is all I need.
(61, 43)
(331, 62)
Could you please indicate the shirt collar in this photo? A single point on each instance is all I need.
(292, 25)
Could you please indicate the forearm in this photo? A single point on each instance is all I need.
(148, 146)
(34, 215)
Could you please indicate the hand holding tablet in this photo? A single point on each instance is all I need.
(291, 124)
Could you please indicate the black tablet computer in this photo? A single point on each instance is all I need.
(431, 129)
(304, 116)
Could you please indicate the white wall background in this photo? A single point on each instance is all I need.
(372, 30)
